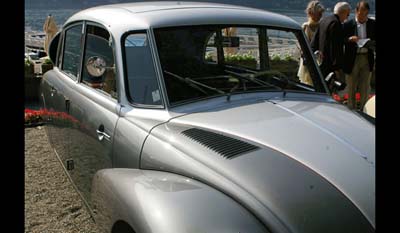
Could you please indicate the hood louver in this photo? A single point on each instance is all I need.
(223, 145)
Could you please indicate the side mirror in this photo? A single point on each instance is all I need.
(96, 66)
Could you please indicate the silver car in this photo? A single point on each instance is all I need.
(191, 117)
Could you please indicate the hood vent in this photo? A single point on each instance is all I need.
(223, 145)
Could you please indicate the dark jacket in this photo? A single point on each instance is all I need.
(350, 29)
(329, 40)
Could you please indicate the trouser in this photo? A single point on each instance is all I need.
(359, 79)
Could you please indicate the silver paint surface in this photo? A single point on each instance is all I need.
(328, 138)
(315, 171)
(155, 201)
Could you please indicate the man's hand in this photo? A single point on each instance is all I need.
(353, 39)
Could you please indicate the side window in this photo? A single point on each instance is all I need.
(72, 51)
(98, 44)
(141, 78)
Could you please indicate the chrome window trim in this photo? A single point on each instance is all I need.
(155, 61)
(66, 28)
(79, 81)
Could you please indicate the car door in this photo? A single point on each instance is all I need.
(94, 110)
(46, 93)
(56, 94)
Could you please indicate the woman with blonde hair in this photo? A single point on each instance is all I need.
(314, 12)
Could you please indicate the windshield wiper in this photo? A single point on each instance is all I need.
(195, 84)
(252, 78)
(240, 68)
(281, 77)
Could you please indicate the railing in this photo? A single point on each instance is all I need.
(34, 41)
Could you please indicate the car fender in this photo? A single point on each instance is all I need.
(153, 201)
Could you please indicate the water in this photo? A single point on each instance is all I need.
(35, 18)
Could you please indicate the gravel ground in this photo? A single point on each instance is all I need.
(51, 202)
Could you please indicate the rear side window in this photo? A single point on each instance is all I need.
(143, 88)
(72, 51)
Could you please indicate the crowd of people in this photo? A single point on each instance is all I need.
(344, 46)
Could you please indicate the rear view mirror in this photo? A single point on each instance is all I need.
(230, 41)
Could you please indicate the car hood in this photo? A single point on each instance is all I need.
(325, 141)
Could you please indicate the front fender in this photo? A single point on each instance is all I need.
(153, 201)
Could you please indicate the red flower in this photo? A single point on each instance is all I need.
(33, 116)
(336, 97)
(346, 97)
(39, 116)
(358, 97)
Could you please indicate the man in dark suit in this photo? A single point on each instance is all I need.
(359, 60)
(329, 40)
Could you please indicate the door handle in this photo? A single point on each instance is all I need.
(101, 134)
(53, 90)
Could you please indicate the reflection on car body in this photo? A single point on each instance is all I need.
(190, 117)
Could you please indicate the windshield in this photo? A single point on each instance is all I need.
(206, 61)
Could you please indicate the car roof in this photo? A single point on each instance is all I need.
(145, 15)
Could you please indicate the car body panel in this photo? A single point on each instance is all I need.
(129, 137)
(134, 125)
(259, 123)
(153, 201)
(89, 150)
(144, 16)
(73, 134)
(54, 86)
(345, 140)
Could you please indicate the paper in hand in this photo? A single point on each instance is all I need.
(362, 42)
(366, 43)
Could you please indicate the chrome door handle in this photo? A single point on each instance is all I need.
(102, 135)
(53, 91)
